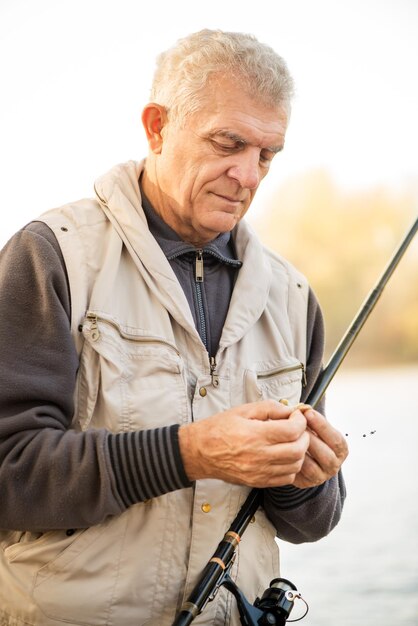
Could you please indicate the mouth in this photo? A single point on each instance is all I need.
(229, 199)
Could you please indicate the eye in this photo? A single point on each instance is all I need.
(266, 157)
(228, 146)
(225, 147)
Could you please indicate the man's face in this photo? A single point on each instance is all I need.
(207, 173)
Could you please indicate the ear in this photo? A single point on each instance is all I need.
(154, 118)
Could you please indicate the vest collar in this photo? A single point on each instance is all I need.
(120, 198)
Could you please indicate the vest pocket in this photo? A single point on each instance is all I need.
(43, 575)
(125, 375)
(77, 585)
(275, 380)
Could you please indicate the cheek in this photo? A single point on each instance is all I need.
(199, 177)
(178, 178)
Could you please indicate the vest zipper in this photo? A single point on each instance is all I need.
(285, 370)
(199, 266)
(199, 297)
(214, 376)
(95, 332)
(201, 313)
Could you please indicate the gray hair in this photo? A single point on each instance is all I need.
(184, 70)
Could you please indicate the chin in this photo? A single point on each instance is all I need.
(223, 224)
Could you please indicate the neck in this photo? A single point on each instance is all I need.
(150, 188)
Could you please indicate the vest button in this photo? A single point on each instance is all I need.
(203, 391)
(206, 507)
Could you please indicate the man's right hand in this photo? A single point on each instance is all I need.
(261, 444)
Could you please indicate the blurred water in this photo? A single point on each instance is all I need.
(365, 573)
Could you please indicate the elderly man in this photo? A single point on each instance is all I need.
(152, 356)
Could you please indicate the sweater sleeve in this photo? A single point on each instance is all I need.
(53, 477)
(302, 515)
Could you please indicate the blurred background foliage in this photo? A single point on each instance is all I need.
(342, 241)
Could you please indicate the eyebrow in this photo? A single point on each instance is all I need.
(240, 140)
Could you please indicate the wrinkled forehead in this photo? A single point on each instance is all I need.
(230, 111)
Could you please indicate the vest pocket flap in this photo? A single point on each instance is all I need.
(114, 341)
(30, 545)
(277, 380)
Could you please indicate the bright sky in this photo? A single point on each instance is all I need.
(74, 75)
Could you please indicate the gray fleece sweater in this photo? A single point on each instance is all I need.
(53, 477)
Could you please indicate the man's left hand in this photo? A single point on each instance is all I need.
(326, 453)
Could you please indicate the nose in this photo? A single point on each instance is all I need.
(245, 169)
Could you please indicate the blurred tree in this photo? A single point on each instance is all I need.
(342, 241)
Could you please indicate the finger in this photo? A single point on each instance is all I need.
(288, 430)
(265, 410)
(324, 457)
(270, 480)
(327, 433)
(290, 452)
(310, 475)
(273, 473)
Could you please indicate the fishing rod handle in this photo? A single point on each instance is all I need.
(216, 567)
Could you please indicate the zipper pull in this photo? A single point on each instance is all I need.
(94, 329)
(214, 376)
(304, 381)
(199, 266)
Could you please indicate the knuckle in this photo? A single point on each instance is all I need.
(285, 479)
(344, 449)
(332, 467)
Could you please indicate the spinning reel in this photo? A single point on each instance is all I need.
(272, 609)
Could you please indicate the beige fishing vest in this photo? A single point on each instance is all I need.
(143, 365)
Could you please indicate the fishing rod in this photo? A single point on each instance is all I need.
(275, 605)
(357, 324)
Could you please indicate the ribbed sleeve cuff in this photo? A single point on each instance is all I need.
(290, 497)
(147, 463)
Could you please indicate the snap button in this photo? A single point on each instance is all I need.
(284, 401)
(252, 520)
(203, 391)
(206, 507)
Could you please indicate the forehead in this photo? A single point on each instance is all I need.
(230, 111)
